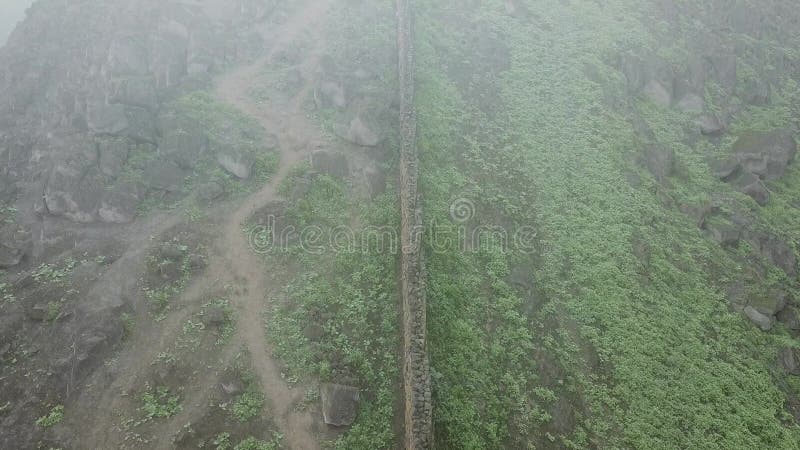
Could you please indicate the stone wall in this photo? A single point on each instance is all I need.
(416, 372)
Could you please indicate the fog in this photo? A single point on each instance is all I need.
(11, 12)
(399, 224)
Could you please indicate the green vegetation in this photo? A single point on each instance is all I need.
(252, 443)
(128, 325)
(160, 403)
(54, 417)
(625, 324)
(55, 273)
(339, 319)
(167, 276)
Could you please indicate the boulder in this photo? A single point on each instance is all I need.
(15, 243)
(237, 162)
(770, 304)
(659, 160)
(724, 168)
(127, 55)
(329, 94)
(765, 154)
(107, 119)
(724, 66)
(691, 103)
(214, 316)
(331, 163)
(776, 251)
(208, 192)
(790, 317)
(113, 155)
(710, 125)
(751, 185)
(725, 234)
(163, 176)
(38, 312)
(655, 91)
(313, 332)
(339, 404)
(137, 91)
(754, 91)
(761, 320)
(183, 146)
(790, 360)
(120, 204)
(360, 133)
(74, 192)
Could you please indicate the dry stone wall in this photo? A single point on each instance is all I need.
(416, 371)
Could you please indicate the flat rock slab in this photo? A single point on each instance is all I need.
(339, 404)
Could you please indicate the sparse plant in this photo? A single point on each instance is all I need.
(54, 417)
(128, 325)
(248, 405)
(252, 443)
(160, 403)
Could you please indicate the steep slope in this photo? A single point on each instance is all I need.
(592, 281)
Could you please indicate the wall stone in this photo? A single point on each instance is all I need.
(416, 371)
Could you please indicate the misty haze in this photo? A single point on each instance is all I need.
(399, 224)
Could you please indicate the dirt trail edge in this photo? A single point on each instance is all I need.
(296, 136)
(416, 371)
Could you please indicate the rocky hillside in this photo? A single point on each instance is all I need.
(610, 194)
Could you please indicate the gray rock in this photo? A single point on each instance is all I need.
(790, 317)
(120, 203)
(329, 94)
(660, 161)
(137, 91)
(724, 66)
(183, 146)
(754, 91)
(214, 316)
(339, 404)
(751, 185)
(238, 163)
(15, 243)
(763, 321)
(656, 92)
(164, 176)
(331, 163)
(790, 360)
(770, 304)
(74, 192)
(724, 168)
(208, 192)
(776, 251)
(691, 103)
(38, 312)
(127, 55)
(710, 125)
(725, 234)
(766, 154)
(360, 133)
(313, 332)
(107, 119)
(113, 155)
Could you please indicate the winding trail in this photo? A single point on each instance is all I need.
(296, 136)
(231, 261)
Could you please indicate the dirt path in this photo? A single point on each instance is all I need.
(296, 136)
(232, 262)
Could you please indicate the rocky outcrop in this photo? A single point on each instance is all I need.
(81, 87)
(756, 158)
(339, 404)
